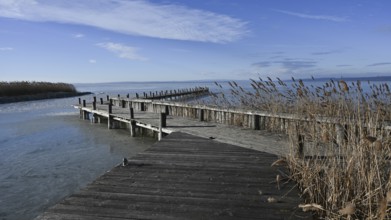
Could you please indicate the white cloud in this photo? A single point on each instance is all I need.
(6, 48)
(316, 17)
(138, 17)
(122, 51)
(92, 61)
(78, 35)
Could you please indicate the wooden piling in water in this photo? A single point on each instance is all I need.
(110, 118)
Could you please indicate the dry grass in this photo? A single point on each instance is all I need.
(10, 89)
(352, 180)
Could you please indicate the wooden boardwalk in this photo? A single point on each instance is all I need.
(187, 177)
(261, 140)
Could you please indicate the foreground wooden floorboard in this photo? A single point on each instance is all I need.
(186, 177)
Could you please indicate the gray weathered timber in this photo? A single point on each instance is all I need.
(187, 177)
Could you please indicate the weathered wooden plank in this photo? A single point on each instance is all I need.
(186, 177)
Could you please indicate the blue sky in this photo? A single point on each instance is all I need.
(163, 40)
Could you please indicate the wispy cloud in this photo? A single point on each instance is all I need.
(327, 52)
(343, 65)
(122, 51)
(315, 17)
(138, 17)
(78, 35)
(380, 64)
(6, 48)
(92, 61)
(262, 64)
(292, 64)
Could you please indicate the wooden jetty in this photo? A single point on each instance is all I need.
(211, 164)
(187, 177)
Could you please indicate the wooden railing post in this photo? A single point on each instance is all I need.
(94, 105)
(79, 101)
(101, 101)
(84, 103)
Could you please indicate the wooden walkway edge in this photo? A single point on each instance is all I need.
(187, 177)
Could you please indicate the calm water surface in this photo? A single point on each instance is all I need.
(47, 152)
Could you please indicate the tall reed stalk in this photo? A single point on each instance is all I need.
(351, 177)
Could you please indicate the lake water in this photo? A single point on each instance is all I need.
(48, 153)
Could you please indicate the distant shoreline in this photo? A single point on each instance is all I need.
(41, 96)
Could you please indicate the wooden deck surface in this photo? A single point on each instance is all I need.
(186, 177)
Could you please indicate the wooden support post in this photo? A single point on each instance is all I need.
(142, 106)
(262, 123)
(84, 103)
(300, 147)
(163, 120)
(131, 113)
(109, 118)
(162, 124)
(123, 103)
(341, 136)
(255, 123)
(127, 96)
(101, 101)
(201, 114)
(79, 101)
(107, 97)
(94, 99)
(132, 128)
(95, 118)
(86, 115)
(94, 105)
(110, 108)
(137, 96)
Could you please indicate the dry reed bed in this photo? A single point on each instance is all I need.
(19, 88)
(353, 180)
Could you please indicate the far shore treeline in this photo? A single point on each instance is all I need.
(32, 90)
